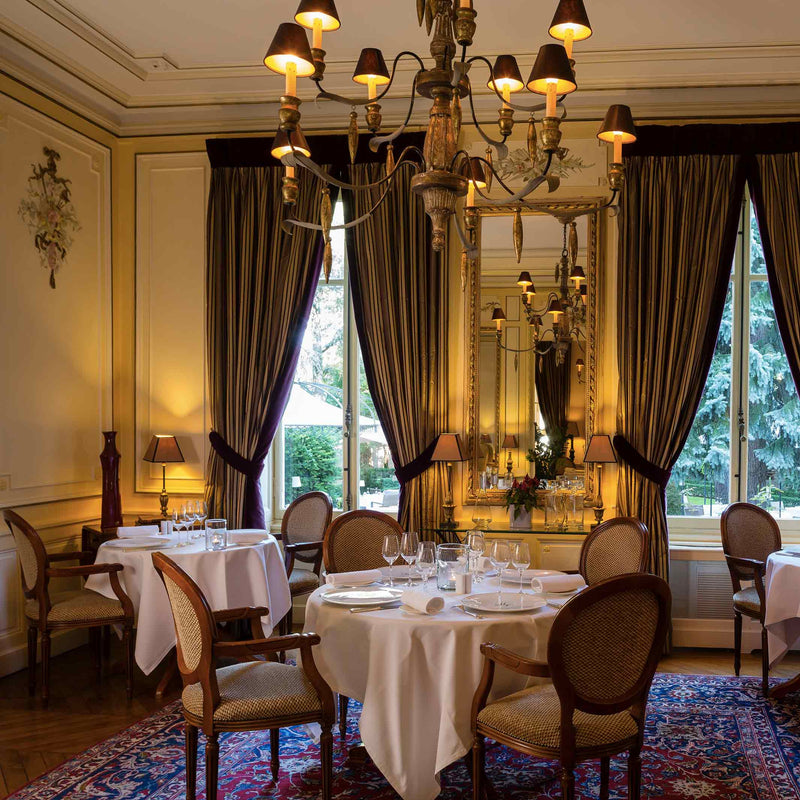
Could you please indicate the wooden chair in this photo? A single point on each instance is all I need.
(45, 613)
(256, 695)
(749, 535)
(353, 541)
(302, 531)
(602, 654)
(618, 546)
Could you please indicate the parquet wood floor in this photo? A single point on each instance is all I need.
(83, 711)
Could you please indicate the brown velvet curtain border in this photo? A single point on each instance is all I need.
(552, 389)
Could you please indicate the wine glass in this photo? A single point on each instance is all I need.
(202, 515)
(186, 523)
(426, 561)
(391, 552)
(521, 559)
(409, 545)
(476, 542)
(500, 556)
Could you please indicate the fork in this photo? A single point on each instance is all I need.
(470, 613)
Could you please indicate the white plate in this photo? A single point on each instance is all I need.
(364, 596)
(512, 575)
(139, 543)
(511, 602)
(400, 573)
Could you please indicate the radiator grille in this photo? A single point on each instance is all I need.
(710, 590)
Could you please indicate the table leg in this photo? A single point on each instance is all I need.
(782, 689)
(170, 673)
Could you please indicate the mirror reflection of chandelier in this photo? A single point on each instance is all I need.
(567, 306)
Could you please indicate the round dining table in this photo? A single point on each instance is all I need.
(416, 674)
(246, 573)
(782, 617)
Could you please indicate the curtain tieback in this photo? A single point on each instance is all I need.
(252, 469)
(637, 461)
(417, 466)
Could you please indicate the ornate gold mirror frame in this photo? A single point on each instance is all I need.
(563, 212)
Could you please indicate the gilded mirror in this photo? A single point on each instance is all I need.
(531, 368)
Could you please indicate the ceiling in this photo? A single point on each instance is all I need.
(152, 66)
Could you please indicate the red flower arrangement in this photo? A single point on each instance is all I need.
(522, 494)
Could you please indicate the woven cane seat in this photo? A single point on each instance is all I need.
(355, 541)
(302, 581)
(256, 691)
(748, 600)
(79, 606)
(614, 548)
(534, 717)
(750, 532)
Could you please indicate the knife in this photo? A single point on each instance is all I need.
(364, 609)
(470, 613)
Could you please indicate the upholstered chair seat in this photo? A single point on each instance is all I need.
(78, 606)
(747, 600)
(618, 546)
(256, 691)
(303, 581)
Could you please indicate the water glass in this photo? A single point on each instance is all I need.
(390, 552)
(521, 559)
(409, 546)
(216, 534)
(500, 556)
(476, 542)
(450, 559)
(426, 561)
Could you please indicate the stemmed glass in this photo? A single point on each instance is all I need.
(521, 559)
(409, 546)
(187, 520)
(500, 556)
(476, 542)
(391, 552)
(201, 515)
(426, 561)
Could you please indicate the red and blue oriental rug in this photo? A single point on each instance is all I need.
(707, 737)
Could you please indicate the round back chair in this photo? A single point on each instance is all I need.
(305, 520)
(618, 546)
(354, 540)
(749, 532)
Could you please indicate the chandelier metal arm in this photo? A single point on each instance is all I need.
(517, 197)
(500, 146)
(376, 141)
(516, 106)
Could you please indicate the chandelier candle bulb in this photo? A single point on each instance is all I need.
(291, 79)
(617, 147)
(552, 89)
(569, 38)
(316, 34)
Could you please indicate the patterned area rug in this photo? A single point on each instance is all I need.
(707, 737)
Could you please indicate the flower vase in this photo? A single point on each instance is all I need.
(111, 504)
(521, 520)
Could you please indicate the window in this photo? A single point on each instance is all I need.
(745, 441)
(330, 439)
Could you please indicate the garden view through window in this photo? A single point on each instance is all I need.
(332, 440)
(745, 441)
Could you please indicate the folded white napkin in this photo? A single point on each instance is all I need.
(358, 578)
(424, 603)
(558, 583)
(249, 536)
(137, 530)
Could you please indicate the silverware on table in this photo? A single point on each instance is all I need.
(470, 612)
(364, 609)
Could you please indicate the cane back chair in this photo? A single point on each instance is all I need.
(602, 654)
(618, 546)
(82, 608)
(749, 535)
(254, 695)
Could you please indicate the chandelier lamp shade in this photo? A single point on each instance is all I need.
(443, 173)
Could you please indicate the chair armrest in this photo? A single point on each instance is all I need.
(291, 548)
(515, 662)
(262, 647)
(81, 556)
(228, 614)
(750, 564)
(83, 571)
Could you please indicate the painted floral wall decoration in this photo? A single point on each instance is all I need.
(49, 213)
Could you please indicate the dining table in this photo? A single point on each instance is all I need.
(782, 617)
(248, 572)
(416, 674)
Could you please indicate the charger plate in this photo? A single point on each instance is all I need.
(512, 575)
(512, 603)
(139, 543)
(354, 596)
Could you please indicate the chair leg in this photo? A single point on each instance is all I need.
(32, 642)
(605, 767)
(737, 642)
(127, 641)
(567, 783)
(764, 661)
(634, 774)
(275, 751)
(326, 755)
(284, 629)
(45, 666)
(478, 755)
(97, 648)
(191, 761)
(212, 765)
(343, 702)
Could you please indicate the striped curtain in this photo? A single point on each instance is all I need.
(400, 299)
(678, 233)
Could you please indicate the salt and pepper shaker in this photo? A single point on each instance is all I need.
(463, 582)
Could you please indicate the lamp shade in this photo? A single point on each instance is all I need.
(371, 66)
(552, 66)
(555, 308)
(290, 45)
(573, 429)
(498, 315)
(570, 15)
(448, 448)
(510, 441)
(506, 75)
(524, 280)
(324, 10)
(577, 274)
(618, 120)
(600, 450)
(476, 175)
(163, 449)
(281, 146)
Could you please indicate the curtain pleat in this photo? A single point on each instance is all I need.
(678, 234)
(260, 284)
(400, 299)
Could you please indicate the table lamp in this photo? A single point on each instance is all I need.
(448, 449)
(600, 451)
(509, 444)
(163, 448)
(572, 431)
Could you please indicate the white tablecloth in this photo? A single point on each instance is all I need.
(245, 575)
(782, 588)
(416, 676)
